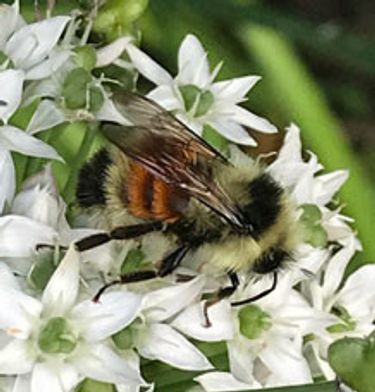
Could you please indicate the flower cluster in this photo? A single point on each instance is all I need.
(52, 333)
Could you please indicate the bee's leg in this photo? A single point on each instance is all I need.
(119, 233)
(167, 265)
(221, 294)
(132, 277)
(260, 295)
(172, 261)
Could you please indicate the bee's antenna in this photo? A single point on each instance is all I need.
(258, 296)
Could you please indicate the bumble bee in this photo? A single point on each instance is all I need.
(160, 176)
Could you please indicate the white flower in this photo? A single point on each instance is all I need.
(352, 304)
(12, 138)
(264, 339)
(196, 99)
(57, 342)
(32, 47)
(155, 339)
(308, 186)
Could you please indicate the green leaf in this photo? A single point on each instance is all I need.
(353, 359)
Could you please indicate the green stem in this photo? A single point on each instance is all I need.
(300, 98)
(84, 149)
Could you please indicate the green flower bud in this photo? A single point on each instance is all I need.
(311, 213)
(56, 337)
(75, 88)
(96, 98)
(314, 233)
(85, 57)
(253, 321)
(116, 16)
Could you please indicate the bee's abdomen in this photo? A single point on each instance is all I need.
(91, 181)
(149, 197)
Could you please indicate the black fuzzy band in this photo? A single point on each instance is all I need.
(90, 187)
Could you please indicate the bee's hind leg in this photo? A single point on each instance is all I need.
(221, 294)
(119, 233)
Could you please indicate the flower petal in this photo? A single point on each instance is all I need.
(191, 322)
(241, 359)
(150, 69)
(32, 43)
(100, 320)
(11, 82)
(7, 278)
(327, 185)
(9, 21)
(109, 53)
(166, 97)
(61, 291)
(285, 361)
(102, 364)
(16, 312)
(19, 236)
(46, 116)
(336, 268)
(43, 375)
(358, 295)
(109, 112)
(14, 139)
(251, 120)
(233, 90)
(223, 382)
(193, 67)
(15, 358)
(49, 66)
(161, 304)
(162, 342)
(232, 131)
(8, 178)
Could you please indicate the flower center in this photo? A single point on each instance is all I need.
(56, 337)
(196, 100)
(253, 321)
(347, 324)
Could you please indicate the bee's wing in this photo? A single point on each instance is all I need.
(171, 151)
